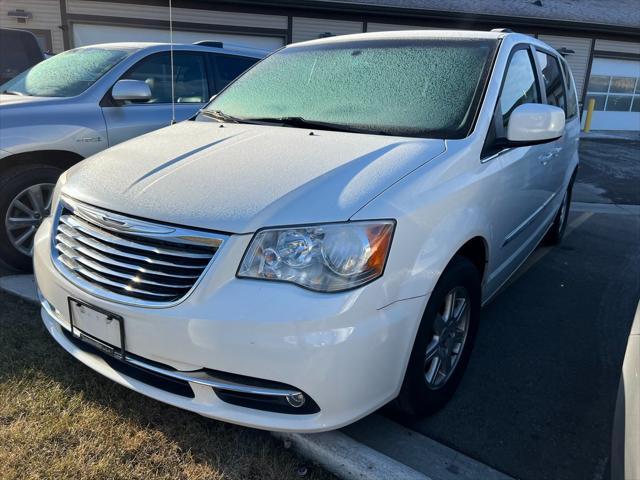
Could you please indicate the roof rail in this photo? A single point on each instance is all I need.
(209, 43)
(502, 30)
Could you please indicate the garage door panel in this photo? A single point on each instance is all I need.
(615, 86)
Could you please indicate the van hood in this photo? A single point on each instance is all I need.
(237, 178)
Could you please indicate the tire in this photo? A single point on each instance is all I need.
(14, 184)
(418, 397)
(559, 225)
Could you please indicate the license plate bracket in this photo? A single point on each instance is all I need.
(97, 327)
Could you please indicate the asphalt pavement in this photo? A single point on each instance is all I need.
(609, 171)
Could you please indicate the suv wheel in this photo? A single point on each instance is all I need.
(25, 200)
(444, 341)
(556, 232)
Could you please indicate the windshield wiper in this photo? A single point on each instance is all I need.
(301, 122)
(14, 92)
(220, 115)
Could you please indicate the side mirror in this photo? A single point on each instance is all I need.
(535, 123)
(130, 90)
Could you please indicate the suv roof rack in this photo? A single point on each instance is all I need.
(209, 43)
(502, 30)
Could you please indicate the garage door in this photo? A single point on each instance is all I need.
(90, 34)
(615, 86)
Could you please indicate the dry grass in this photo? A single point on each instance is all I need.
(60, 420)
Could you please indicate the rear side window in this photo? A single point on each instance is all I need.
(228, 67)
(572, 99)
(189, 70)
(519, 86)
(552, 78)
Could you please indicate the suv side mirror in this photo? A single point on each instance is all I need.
(130, 90)
(535, 123)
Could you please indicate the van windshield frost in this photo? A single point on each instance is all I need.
(67, 74)
(421, 88)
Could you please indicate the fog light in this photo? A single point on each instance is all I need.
(297, 400)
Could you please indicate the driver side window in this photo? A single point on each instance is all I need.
(520, 85)
(189, 74)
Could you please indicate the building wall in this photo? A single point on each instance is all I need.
(385, 27)
(312, 28)
(617, 46)
(578, 61)
(46, 16)
(191, 15)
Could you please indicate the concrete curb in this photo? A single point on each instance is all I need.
(419, 452)
(347, 458)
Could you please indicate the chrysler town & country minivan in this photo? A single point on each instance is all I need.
(320, 239)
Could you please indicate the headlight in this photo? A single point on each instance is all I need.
(325, 258)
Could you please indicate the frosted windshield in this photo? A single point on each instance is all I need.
(67, 74)
(418, 88)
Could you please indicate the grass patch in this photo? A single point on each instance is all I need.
(59, 419)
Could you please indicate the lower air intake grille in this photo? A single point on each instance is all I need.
(134, 260)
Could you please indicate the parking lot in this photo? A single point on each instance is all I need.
(538, 398)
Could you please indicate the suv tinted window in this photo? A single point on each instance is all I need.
(552, 77)
(228, 67)
(189, 72)
(519, 86)
(572, 99)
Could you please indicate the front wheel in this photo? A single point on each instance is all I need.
(25, 200)
(444, 341)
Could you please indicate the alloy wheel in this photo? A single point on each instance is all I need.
(450, 330)
(25, 214)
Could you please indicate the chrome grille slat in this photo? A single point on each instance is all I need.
(85, 227)
(95, 266)
(107, 249)
(99, 257)
(129, 260)
(73, 265)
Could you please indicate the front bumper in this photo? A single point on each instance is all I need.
(345, 351)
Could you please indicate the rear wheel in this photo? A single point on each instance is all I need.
(444, 341)
(25, 200)
(556, 232)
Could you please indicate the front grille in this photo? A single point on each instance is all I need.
(137, 260)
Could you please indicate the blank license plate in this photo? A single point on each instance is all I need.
(101, 329)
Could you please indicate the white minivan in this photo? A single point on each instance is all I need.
(320, 239)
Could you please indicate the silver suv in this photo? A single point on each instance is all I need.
(82, 101)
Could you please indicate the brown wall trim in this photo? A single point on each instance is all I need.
(289, 29)
(196, 27)
(405, 16)
(587, 76)
(66, 43)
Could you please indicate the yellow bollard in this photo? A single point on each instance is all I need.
(590, 106)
